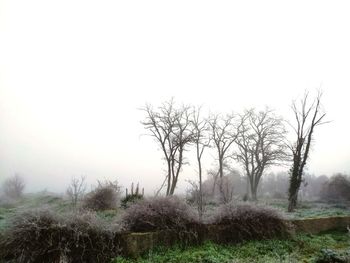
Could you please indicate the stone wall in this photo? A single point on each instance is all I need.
(136, 244)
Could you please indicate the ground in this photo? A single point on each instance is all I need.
(303, 248)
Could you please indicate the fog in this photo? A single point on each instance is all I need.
(73, 76)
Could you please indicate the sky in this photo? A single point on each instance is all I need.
(73, 75)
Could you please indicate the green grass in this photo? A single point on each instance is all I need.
(303, 248)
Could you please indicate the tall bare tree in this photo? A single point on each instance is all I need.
(201, 140)
(171, 128)
(308, 115)
(224, 132)
(261, 144)
(76, 189)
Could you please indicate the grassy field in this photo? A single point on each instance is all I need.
(303, 248)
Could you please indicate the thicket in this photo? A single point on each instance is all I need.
(163, 213)
(246, 222)
(44, 236)
(159, 213)
(105, 196)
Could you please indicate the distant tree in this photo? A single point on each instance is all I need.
(336, 189)
(261, 144)
(201, 141)
(275, 185)
(312, 185)
(13, 187)
(224, 132)
(307, 116)
(172, 130)
(233, 184)
(76, 189)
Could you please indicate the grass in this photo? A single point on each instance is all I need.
(32, 201)
(310, 209)
(303, 248)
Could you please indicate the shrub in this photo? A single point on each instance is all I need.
(104, 197)
(158, 213)
(33, 237)
(162, 213)
(246, 222)
(89, 239)
(43, 236)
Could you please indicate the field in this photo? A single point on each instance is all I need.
(307, 209)
(301, 248)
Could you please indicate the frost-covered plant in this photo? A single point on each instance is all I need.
(245, 222)
(163, 213)
(105, 196)
(44, 236)
(159, 213)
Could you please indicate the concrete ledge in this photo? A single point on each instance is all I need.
(136, 244)
(317, 225)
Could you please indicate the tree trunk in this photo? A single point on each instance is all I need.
(200, 201)
(254, 192)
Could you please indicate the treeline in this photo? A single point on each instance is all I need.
(253, 140)
(273, 186)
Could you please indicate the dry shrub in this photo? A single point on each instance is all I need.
(163, 213)
(33, 237)
(246, 222)
(43, 236)
(89, 239)
(105, 197)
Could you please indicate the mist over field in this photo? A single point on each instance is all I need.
(71, 89)
(174, 131)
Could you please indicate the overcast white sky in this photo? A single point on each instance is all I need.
(74, 73)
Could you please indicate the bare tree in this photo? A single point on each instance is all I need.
(224, 132)
(261, 144)
(201, 140)
(307, 116)
(171, 128)
(13, 187)
(76, 189)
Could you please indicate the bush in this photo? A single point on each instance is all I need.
(158, 213)
(162, 213)
(246, 222)
(105, 197)
(43, 236)
(89, 239)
